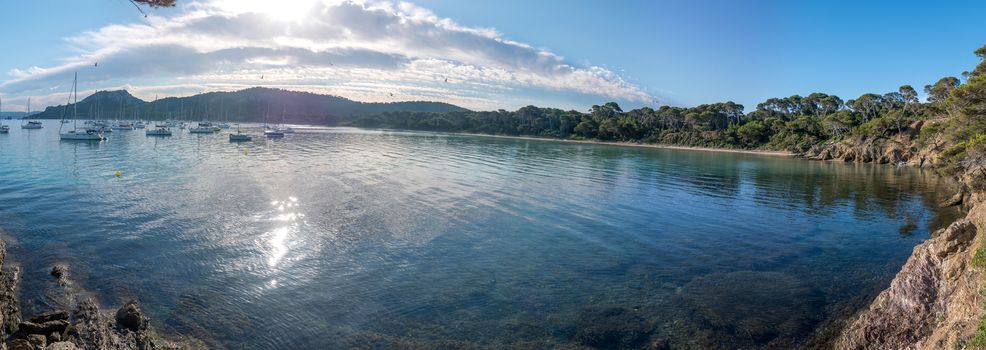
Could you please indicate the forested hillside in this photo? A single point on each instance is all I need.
(953, 115)
(245, 105)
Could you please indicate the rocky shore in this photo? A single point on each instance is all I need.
(936, 300)
(75, 321)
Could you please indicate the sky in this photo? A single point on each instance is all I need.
(486, 54)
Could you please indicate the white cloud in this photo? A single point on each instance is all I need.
(361, 50)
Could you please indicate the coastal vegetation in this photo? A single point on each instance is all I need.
(951, 118)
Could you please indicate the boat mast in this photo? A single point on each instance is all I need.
(75, 104)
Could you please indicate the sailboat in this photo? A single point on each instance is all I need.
(160, 129)
(3, 128)
(239, 136)
(222, 109)
(203, 127)
(32, 124)
(122, 124)
(76, 134)
(271, 133)
(280, 127)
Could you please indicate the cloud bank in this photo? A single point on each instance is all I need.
(368, 51)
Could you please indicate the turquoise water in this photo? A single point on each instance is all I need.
(340, 238)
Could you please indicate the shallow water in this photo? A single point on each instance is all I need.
(338, 238)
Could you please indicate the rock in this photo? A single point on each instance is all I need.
(50, 316)
(659, 344)
(45, 328)
(953, 201)
(37, 340)
(62, 345)
(54, 337)
(130, 317)
(957, 236)
(934, 302)
(59, 271)
(21, 344)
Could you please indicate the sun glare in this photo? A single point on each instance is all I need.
(286, 10)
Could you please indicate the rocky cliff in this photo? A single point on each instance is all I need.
(936, 300)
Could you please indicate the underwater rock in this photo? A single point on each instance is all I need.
(59, 271)
(754, 307)
(612, 328)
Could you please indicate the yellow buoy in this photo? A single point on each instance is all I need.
(117, 173)
(245, 152)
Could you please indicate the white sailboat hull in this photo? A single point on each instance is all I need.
(82, 136)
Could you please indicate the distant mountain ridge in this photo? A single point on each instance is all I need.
(13, 114)
(249, 105)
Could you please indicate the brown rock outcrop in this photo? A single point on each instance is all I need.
(933, 302)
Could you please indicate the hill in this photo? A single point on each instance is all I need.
(249, 105)
(15, 115)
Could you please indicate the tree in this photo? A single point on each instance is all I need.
(752, 134)
(969, 100)
(868, 105)
(586, 129)
(939, 92)
(908, 97)
(156, 3)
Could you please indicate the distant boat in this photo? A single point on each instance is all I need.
(76, 134)
(280, 127)
(140, 125)
(123, 126)
(271, 133)
(32, 124)
(239, 136)
(3, 128)
(204, 127)
(160, 130)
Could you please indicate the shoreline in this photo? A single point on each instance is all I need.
(632, 144)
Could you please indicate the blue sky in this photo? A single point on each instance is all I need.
(496, 54)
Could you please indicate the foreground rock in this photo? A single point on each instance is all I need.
(933, 302)
(85, 327)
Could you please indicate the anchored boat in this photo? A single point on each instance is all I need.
(76, 134)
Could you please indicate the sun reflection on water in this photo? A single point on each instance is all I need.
(279, 246)
(287, 226)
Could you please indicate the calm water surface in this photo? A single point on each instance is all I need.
(339, 238)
